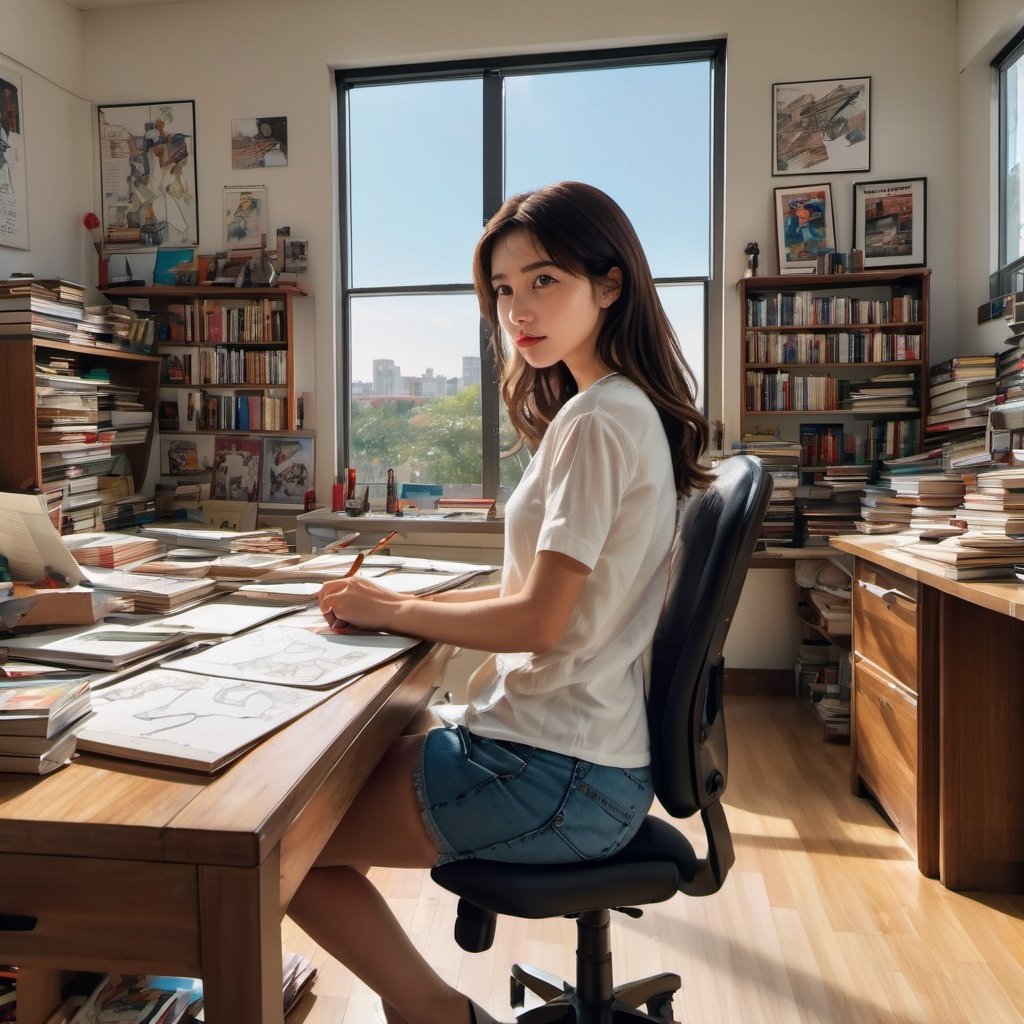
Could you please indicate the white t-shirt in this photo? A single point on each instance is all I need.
(600, 489)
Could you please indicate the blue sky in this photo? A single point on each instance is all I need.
(638, 133)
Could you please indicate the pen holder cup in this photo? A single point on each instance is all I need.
(355, 507)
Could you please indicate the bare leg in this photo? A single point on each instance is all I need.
(341, 909)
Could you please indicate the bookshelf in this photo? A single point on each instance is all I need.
(837, 363)
(32, 401)
(226, 382)
(227, 354)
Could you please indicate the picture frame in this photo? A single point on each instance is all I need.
(259, 142)
(821, 127)
(287, 470)
(890, 222)
(245, 216)
(148, 174)
(13, 166)
(236, 467)
(804, 225)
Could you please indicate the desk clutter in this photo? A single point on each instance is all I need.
(132, 646)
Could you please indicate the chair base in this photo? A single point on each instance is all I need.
(593, 1000)
(564, 1007)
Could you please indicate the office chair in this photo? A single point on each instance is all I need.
(716, 534)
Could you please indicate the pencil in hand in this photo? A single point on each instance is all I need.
(357, 562)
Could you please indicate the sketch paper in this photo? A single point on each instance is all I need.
(224, 618)
(30, 543)
(103, 646)
(301, 651)
(187, 719)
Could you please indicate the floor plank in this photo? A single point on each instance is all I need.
(824, 918)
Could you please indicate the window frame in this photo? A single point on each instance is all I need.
(1002, 280)
(491, 72)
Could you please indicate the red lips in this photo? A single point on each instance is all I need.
(528, 340)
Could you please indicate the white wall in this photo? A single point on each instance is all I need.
(242, 58)
(43, 41)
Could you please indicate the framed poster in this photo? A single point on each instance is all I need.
(13, 197)
(287, 470)
(245, 216)
(804, 225)
(889, 219)
(148, 174)
(822, 127)
(236, 468)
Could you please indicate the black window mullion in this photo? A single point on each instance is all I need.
(493, 196)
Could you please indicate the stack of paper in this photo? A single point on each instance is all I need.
(110, 550)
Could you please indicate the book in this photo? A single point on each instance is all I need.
(188, 719)
(31, 715)
(102, 646)
(110, 550)
(55, 756)
(70, 606)
(131, 999)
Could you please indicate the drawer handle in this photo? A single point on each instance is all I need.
(889, 595)
(17, 923)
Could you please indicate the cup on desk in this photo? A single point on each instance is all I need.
(354, 507)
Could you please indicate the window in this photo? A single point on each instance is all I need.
(1010, 65)
(428, 153)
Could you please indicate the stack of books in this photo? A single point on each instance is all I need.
(971, 556)
(960, 391)
(885, 393)
(38, 715)
(111, 550)
(781, 460)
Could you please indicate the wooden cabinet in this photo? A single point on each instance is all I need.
(894, 705)
(813, 343)
(112, 373)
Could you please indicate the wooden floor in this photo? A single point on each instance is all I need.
(824, 917)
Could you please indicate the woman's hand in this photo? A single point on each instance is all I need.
(358, 603)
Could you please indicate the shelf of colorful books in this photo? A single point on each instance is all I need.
(70, 413)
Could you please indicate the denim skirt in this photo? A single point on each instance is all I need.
(500, 800)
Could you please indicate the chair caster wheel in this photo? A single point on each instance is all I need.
(516, 994)
(661, 1008)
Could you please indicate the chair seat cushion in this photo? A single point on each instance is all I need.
(649, 869)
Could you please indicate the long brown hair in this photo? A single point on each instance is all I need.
(584, 231)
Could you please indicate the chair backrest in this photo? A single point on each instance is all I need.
(717, 531)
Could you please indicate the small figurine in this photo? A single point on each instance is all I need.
(753, 250)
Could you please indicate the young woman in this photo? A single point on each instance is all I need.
(551, 762)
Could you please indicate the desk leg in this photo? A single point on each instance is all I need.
(38, 994)
(240, 914)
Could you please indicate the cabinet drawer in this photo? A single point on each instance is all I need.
(885, 722)
(885, 622)
(76, 905)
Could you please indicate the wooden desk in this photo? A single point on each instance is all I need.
(970, 726)
(140, 869)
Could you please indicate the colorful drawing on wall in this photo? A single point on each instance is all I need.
(236, 468)
(804, 226)
(259, 142)
(823, 126)
(148, 174)
(13, 199)
(245, 216)
(287, 470)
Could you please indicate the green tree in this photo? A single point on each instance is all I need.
(382, 435)
(446, 439)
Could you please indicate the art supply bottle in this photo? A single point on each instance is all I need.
(350, 494)
(391, 504)
(337, 495)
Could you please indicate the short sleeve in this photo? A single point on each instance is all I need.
(591, 465)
